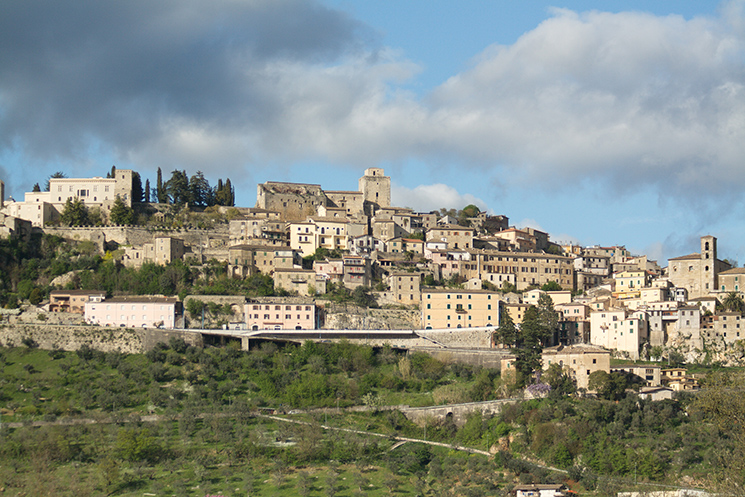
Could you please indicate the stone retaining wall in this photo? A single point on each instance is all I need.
(128, 340)
(458, 412)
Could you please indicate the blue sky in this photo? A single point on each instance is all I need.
(599, 122)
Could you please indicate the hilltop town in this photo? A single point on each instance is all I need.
(455, 271)
(455, 310)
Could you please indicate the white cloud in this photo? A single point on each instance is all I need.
(621, 100)
(425, 198)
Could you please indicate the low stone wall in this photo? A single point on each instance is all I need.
(460, 337)
(459, 412)
(71, 338)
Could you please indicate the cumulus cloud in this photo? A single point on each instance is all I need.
(624, 99)
(628, 97)
(170, 82)
(426, 198)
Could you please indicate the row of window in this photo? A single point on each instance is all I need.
(257, 307)
(488, 318)
(276, 316)
(95, 188)
(459, 296)
(123, 307)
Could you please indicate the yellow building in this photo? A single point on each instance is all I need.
(455, 308)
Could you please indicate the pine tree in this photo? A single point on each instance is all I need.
(160, 190)
(120, 213)
(75, 213)
(136, 188)
(506, 334)
(147, 191)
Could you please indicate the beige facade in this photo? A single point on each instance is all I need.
(732, 280)
(387, 229)
(557, 297)
(519, 240)
(248, 260)
(456, 237)
(162, 251)
(630, 281)
(406, 287)
(516, 311)
(303, 281)
(453, 308)
(303, 237)
(652, 375)
(331, 232)
(528, 268)
(350, 203)
(580, 360)
(724, 327)
(73, 300)
(248, 229)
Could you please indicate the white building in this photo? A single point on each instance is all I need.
(42, 208)
(142, 311)
(618, 330)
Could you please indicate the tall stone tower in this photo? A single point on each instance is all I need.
(123, 185)
(2, 194)
(709, 264)
(376, 190)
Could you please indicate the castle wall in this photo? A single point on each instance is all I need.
(294, 201)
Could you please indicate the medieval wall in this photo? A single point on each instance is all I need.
(71, 338)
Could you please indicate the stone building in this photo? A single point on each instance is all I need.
(406, 287)
(698, 273)
(732, 280)
(375, 187)
(294, 201)
(456, 237)
(303, 281)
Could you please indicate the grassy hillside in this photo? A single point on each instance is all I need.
(189, 421)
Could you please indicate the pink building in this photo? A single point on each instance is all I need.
(134, 312)
(267, 315)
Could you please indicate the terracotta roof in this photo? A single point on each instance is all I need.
(77, 292)
(142, 299)
(686, 257)
(734, 270)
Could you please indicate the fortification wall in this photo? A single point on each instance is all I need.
(217, 238)
(65, 337)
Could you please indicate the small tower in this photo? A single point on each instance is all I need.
(375, 187)
(2, 194)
